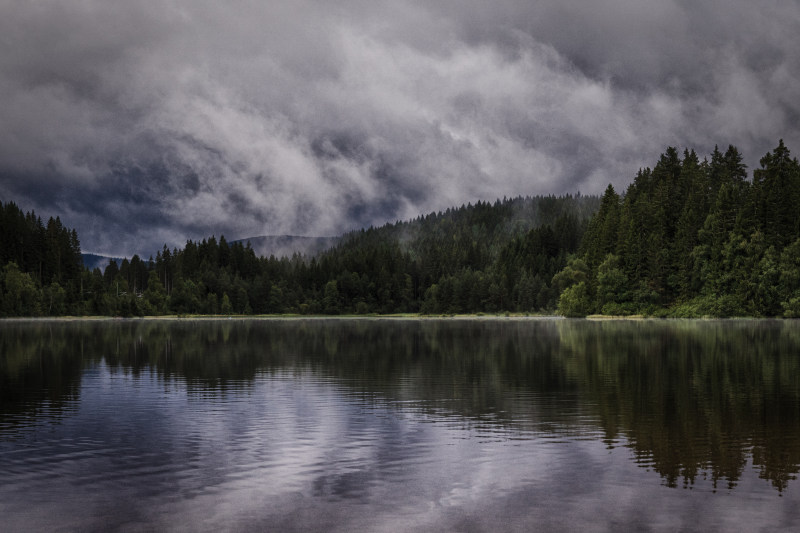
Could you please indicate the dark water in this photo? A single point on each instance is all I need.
(352, 425)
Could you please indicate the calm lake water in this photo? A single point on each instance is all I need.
(393, 425)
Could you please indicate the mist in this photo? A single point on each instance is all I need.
(142, 123)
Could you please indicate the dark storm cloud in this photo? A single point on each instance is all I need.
(144, 122)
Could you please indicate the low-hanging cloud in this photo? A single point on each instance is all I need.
(150, 122)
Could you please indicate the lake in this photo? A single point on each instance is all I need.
(399, 425)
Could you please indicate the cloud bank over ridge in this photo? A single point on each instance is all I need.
(145, 122)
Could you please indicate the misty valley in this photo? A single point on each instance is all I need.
(688, 238)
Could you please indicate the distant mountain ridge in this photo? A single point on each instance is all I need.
(264, 245)
(288, 245)
(92, 261)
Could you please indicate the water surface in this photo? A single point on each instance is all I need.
(387, 425)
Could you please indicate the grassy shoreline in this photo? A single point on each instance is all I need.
(396, 316)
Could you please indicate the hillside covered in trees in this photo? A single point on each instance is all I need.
(693, 238)
(688, 237)
(477, 258)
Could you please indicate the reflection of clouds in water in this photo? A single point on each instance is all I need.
(348, 453)
(347, 467)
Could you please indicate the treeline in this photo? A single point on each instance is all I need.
(693, 238)
(487, 257)
(42, 264)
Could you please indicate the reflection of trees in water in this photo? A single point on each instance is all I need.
(695, 398)
(691, 398)
(40, 370)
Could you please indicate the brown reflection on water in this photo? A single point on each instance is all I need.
(692, 399)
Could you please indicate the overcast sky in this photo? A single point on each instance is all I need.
(144, 122)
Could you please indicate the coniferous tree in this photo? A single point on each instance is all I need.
(694, 177)
(602, 235)
(776, 196)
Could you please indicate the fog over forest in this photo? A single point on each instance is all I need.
(148, 122)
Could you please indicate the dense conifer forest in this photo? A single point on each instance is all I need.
(477, 258)
(693, 238)
(688, 237)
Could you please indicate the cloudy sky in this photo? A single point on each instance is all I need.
(144, 122)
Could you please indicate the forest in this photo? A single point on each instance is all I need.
(687, 238)
(693, 238)
(487, 257)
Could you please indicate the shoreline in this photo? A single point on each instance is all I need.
(279, 317)
(398, 317)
